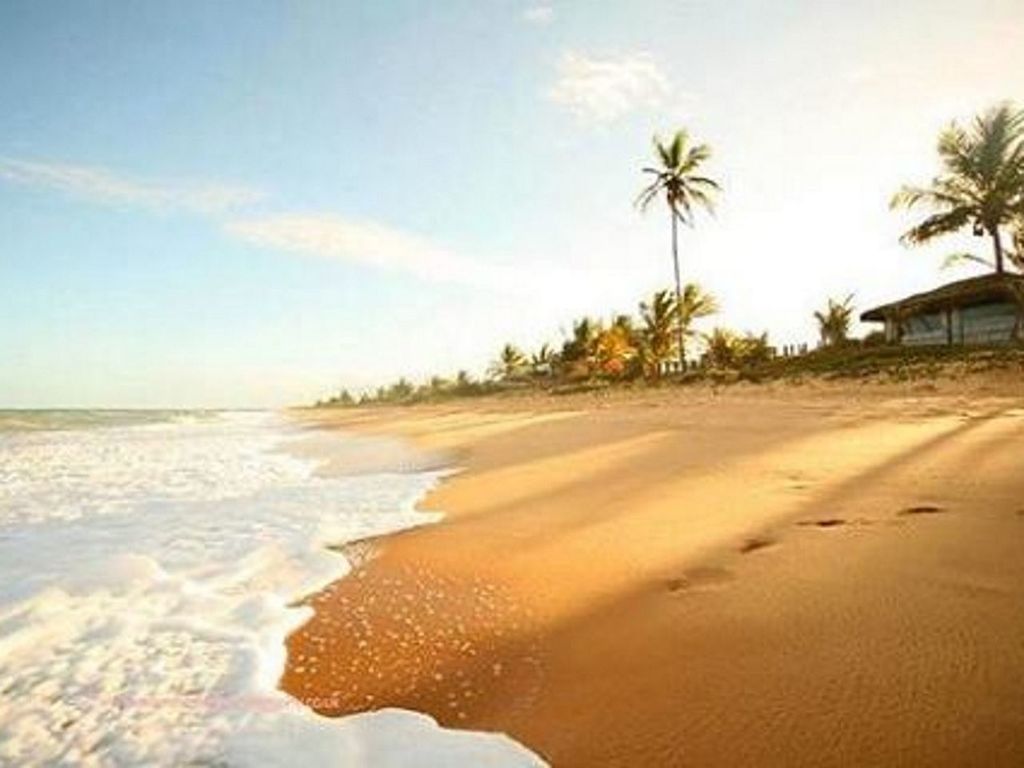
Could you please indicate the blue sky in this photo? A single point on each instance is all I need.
(256, 203)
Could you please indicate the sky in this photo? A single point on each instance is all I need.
(255, 204)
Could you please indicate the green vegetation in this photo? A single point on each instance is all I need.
(625, 348)
(727, 350)
(981, 186)
(437, 388)
(658, 319)
(867, 360)
(595, 354)
(510, 365)
(834, 323)
(733, 358)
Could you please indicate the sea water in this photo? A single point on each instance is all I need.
(149, 566)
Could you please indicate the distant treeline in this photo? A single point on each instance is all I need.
(627, 348)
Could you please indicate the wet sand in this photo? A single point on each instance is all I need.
(788, 576)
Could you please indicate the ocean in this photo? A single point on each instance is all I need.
(150, 562)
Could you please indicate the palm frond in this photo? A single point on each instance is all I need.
(937, 224)
(664, 153)
(959, 259)
(704, 181)
(648, 195)
(676, 147)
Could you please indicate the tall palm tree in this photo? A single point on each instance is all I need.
(678, 181)
(834, 322)
(981, 184)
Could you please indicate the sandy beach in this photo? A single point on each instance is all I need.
(791, 575)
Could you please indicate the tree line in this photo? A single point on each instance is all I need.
(641, 347)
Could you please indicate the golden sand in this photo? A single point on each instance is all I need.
(789, 576)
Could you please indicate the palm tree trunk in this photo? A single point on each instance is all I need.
(997, 243)
(679, 291)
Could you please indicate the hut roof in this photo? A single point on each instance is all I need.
(974, 290)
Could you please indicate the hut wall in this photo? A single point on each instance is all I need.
(988, 323)
(926, 329)
(992, 323)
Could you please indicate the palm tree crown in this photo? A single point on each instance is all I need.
(982, 181)
(677, 178)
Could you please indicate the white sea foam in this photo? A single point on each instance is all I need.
(145, 577)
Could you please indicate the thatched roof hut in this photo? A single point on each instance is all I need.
(980, 310)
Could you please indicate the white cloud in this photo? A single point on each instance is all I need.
(604, 89)
(324, 235)
(540, 15)
(315, 234)
(105, 186)
(363, 242)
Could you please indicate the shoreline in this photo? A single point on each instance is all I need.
(765, 576)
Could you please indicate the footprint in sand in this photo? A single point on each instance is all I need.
(755, 543)
(698, 577)
(827, 522)
(921, 509)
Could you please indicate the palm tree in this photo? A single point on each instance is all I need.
(660, 320)
(834, 322)
(728, 349)
(982, 181)
(615, 348)
(580, 348)
(542, 361)
(678, 181)
(510, 364)
(694, 304)
(721, 347)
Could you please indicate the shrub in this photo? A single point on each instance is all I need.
(874, 339)
(727, 349)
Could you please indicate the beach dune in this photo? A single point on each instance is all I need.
(757, 577)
